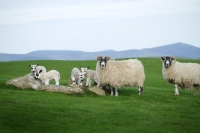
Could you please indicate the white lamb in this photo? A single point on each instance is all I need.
(120, 73)
(184, 75)
(77, 76)
(90, 75)
(46, 77)
(38, 68)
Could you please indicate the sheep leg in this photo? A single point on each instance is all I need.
(176, 89)
(87, 82)
(57, 82)
(116, 92)
(90, 82)
(73, 80)
(111, 91)
(79, 82)
(140, 90)
(47, 82)
(98, 85)
(196, 87)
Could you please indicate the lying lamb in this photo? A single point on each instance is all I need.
(77, 76)
(90, 74)
(46, 77)
(184, 75)
(120, 73)
(38, 68)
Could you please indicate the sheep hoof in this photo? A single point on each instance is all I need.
(140, 92)
(177, 94)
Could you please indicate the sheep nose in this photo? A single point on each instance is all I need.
(167, 64)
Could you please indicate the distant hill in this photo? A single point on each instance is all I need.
(177, 50)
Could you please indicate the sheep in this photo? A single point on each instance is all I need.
(90, 74)
(38, 68)
(184, 75)
(76, 76)
(117, 74)
(46, 77)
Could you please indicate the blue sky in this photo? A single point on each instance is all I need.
(86, 25)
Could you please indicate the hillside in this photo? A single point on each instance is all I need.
(176, 49)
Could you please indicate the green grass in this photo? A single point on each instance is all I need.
(157, 110)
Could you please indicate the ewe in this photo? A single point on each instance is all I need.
(120, 73)
(185, 75)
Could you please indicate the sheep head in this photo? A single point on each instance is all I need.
(167, 60)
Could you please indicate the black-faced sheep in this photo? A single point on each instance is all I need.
(184, 75)
(120, 73)
(46, 77)
(38, 68)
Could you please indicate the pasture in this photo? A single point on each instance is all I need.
(157, 110)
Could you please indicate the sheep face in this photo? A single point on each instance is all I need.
(33, 68)
(103, 61)
(37, 74)
(84, 70)
(81, 76)
(167, 61)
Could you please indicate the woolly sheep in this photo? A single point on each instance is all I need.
(184, 75)
(38, 68)
(46, 77)
(120, 73)
(77, 76)
(90, 74)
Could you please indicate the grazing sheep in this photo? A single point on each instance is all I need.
(90, 74)
(77, 76)
(46, 77)
(120, 73)
(184, 75)
(38, 68)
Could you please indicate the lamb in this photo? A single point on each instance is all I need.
(77, 76)
(120, 73)
(90, 74)
(46, 77)
(184, 75)
(38, 68)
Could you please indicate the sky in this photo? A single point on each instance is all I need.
(96, 25)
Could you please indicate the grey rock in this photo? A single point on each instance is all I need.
(28, 81)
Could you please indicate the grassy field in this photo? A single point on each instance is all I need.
(157, 110)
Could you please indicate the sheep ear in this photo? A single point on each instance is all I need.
(163, 58)
(108, 57)
(173, 58)
(99, 57)
(37, 64)
(40, 71)
(29, 65)
(88, 67)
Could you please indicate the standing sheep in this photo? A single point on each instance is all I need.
(120, 73)
(38, 68)
(184, 75)
(76, 76)
(46, 77)
(90, 74)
